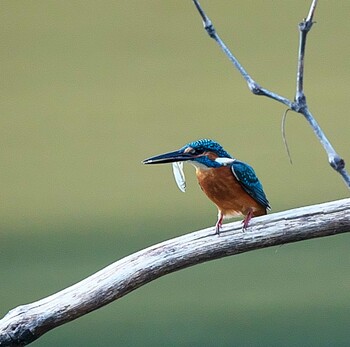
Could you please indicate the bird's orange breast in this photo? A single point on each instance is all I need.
(220, 185)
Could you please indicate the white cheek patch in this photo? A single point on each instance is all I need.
(179, 175)
(224, 161)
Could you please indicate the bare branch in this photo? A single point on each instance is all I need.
(304, 28)
(334, 159)
(27, 323)
(310, 16)
(253, 86)
(299, 104)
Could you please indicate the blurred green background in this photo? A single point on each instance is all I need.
(90, 88)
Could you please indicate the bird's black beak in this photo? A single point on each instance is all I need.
(170, 157)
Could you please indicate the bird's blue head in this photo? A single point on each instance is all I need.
(203, 153)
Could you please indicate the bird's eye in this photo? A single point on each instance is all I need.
(196, 151)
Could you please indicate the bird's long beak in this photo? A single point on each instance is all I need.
(169, 157)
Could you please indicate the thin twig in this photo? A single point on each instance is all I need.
(299, 104)
(27, 323)
(304, 28)
(311, 13)
(283, 127)
(253, 86)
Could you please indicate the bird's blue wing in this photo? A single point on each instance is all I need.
(250, 183)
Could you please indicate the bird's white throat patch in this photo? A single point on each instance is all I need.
(225, 161)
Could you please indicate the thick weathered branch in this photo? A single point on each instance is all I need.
(299, 104)
(26, 323)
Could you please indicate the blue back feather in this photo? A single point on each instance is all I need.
(246, 176)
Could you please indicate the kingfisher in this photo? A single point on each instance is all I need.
(228, 182)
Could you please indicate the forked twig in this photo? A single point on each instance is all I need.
(299, 104)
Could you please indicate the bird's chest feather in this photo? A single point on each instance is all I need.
(220, 185)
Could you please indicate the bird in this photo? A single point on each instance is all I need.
(229, 183)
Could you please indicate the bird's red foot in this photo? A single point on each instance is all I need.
(217, 228)
(218, 224)
(247, 219)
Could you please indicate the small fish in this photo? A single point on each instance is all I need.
(179, 175)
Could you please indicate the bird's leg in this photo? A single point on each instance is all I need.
(247, 219)
(219, 223)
